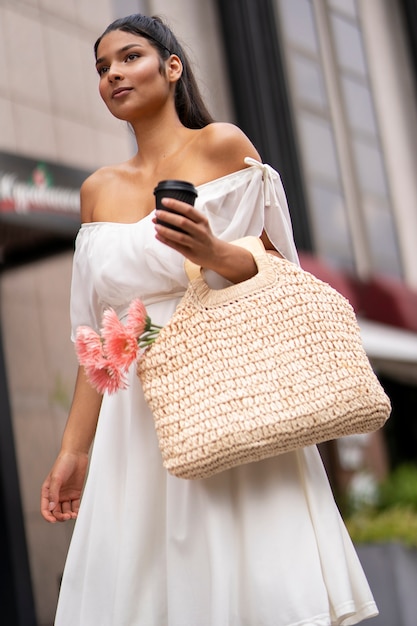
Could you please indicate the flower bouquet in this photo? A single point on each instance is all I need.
(107, 356)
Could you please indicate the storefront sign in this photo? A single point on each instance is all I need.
(39, 193)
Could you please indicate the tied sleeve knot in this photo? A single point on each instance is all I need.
(267, 177)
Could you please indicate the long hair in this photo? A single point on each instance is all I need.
(189, 103)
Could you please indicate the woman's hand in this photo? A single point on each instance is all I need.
(61, 490)
(198, 244)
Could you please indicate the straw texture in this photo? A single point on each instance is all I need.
(257, 369)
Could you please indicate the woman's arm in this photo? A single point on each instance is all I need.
(222, 150)
(82, 420)
(62, 488)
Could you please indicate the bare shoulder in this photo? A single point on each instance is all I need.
(92, 189)
(226, 145)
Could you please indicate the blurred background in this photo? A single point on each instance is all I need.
(327, 91)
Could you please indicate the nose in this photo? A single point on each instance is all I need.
(114, 73)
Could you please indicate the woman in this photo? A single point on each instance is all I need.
(261, 544)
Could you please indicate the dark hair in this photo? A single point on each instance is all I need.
(189, 103)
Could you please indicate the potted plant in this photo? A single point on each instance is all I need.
(385, 536)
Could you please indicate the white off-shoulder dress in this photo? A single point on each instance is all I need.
(259, 545)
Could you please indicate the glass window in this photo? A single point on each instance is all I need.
(308, 81)
(344, 6)
(335, 116)
(348, 44)
(370, 168)
(318, 147)
(331, 227)
(298, 23)
(359, 107)
(381, 236)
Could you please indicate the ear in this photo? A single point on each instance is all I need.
(174, 68)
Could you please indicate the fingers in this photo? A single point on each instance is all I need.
(75, 506)
(183, 208)
(45, 503)
(67, 511)
(61, 512)
(178, 214)
(192, 236)
(180, 222)
(53, 494)
(62, 489)
(52, 509)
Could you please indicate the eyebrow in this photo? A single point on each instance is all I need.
(124, 49)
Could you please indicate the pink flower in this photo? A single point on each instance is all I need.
(137, 319)
(106, 378)
(107, 357)
(120, 344)
(89, 347)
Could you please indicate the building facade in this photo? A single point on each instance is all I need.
(327, 91)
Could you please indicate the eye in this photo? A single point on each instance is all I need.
(131, 56)
(102, 70)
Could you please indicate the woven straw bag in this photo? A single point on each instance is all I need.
(259, 368)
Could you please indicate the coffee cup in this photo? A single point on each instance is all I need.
(178, 189)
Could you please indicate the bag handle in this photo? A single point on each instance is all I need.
(253, 244)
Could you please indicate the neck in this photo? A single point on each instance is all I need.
(159, 138)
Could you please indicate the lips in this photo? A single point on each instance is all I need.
(120, 92)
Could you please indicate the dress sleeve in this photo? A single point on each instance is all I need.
(248, 202)
(276, 216)
(85, 307)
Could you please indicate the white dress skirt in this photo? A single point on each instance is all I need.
(259, 545)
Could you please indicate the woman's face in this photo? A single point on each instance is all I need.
(131, 82)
